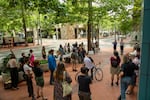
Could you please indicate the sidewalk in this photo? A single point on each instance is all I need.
(100, 90)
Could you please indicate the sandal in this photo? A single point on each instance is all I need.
(128, 92)
(44, 98)
(38, 97)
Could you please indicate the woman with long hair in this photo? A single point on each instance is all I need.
(58, 80)
(126, 74)
(43, 52)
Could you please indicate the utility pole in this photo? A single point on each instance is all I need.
(89, 24)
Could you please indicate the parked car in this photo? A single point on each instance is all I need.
(105, 34)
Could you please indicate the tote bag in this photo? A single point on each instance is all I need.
(67, 89)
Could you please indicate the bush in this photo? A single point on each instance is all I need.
(30, 40)
(43, 61)
(4, 67)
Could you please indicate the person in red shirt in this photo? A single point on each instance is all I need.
(115, 68)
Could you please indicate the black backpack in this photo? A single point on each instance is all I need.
(114, 63)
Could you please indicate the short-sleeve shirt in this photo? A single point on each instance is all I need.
(37, 71)
(128, 68)
(84, 83)
(12, 63)
(26, 68)
(113, 58)
(88, 63)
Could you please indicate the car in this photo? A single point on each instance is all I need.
(105, 34)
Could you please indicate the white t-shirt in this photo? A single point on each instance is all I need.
(26, 68)
(88, 63)
(12, 63)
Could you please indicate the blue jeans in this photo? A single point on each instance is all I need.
(125, 81)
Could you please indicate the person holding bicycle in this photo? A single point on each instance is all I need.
(89, 63)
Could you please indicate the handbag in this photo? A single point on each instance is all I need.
(67, 89)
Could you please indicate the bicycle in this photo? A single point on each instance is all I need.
(97, 73)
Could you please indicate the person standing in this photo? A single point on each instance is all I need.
(68, 48)
(115, 45)
(43, 52)
(61, 49)
(21, 61)
(59, 57)
(121, 47)
(74, 58)
(115, 68)
(31, 57)
(84, 81)
(28, 77)
(12, 64)
(39, 79)
(51, 65)
(59, 77)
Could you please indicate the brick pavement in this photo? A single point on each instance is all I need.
(100, 90)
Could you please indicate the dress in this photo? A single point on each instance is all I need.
(38, 76)
(58, 91)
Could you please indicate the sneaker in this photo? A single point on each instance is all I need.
(38, 97)
(112, 84)
(119, 98)
(29, 95)
(75, 70)
(117, 83)
(128, 92)
(44, 98)
(15, 88)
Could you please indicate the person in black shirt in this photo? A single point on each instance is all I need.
(38, 72)
(126, 74)
(21, 61)
(84, 81)
(115, 45)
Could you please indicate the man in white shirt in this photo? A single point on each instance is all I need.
(89, 63)
(28, 78)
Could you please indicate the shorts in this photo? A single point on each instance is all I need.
(114, 71)
(74, 61)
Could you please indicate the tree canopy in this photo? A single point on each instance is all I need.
(123, 15)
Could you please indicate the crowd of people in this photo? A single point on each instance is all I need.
(125, 69)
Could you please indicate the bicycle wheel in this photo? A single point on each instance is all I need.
(98, 74)
(77, 74)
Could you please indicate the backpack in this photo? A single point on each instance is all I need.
(114, 63)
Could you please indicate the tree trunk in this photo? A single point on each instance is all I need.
(24, 23)
(89, 24)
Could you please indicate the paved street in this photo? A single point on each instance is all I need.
(53, 44)
(100, 90)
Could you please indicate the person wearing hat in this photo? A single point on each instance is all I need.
(84, 81)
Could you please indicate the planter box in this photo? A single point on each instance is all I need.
(44, 65)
